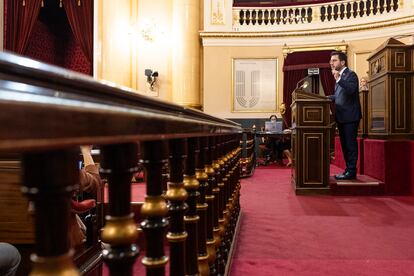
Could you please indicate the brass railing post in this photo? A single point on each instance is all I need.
(49, 178)
(120, 233)
(176, 195)
(155, 208)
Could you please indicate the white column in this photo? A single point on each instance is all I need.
(115, 44)
(186, 53)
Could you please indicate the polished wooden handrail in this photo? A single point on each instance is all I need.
(86, 111)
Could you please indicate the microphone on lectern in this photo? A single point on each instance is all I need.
(305, 83)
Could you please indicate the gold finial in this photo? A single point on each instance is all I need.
(282, 108)
(60, 4)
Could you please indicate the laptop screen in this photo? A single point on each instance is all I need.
(270, 126)
(273, 126)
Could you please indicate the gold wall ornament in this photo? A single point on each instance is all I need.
(282, 108)
(236, 18)
(217, 15)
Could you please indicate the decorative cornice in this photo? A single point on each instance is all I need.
(323, 31)
(291, 49)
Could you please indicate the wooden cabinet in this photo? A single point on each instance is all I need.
(390, 91)
(310, 142)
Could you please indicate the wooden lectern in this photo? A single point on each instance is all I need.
(310, 142)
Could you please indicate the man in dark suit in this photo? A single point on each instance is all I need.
(347, 111)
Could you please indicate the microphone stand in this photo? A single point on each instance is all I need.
(297, 84)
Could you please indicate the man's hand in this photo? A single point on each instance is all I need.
(335, 73)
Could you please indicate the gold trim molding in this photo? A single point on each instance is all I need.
(323, 31)
(337, 47)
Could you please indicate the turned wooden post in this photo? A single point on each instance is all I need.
(154, 208)
(191, 218)
(203, 254)
(223, 193)
(217, 165)
(119, 162)
(176, 194)
(211, 237)
(49, 179)
(214, 177)
(228, 160)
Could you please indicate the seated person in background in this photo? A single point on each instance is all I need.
(9, 259)
(89, 181)
(278, 147)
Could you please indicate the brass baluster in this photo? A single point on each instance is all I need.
(220, 261)
(211, 234)
(203, 253)
(176, 194)
(119, 163)
(191, 218)
(49, 179)
(155, 208)
(212, 179)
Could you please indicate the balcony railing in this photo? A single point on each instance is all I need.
(349, 12)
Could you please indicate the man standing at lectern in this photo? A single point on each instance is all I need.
(347, 111)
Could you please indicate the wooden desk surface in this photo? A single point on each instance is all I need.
(272, 134)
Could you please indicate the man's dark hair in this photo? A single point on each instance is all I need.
(341, 55)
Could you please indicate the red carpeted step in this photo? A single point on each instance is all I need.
(362, 185)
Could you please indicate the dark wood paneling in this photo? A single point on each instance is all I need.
(390, 96)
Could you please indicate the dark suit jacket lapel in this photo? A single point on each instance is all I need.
(345, 74)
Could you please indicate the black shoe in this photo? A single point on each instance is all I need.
(345, 176)
(340, 175)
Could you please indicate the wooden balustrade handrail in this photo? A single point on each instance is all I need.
(48, 111)
(46, 107)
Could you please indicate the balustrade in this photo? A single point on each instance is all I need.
(262, 18)
(48, 112)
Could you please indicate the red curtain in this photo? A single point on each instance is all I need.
(295, 66)
(290, 80)
(19, 24)
(328, 84)
(327, 80)
(81, 22)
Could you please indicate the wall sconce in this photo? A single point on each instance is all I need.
(148, 30)
(151, 78)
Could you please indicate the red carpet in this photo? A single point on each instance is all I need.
(285, 234)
